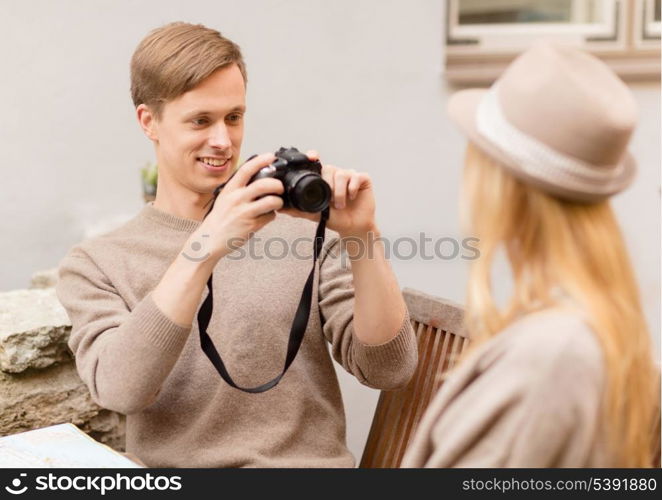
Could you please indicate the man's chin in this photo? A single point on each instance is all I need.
(212, 179)
(207, 188)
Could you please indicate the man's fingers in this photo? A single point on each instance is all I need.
(355, 183)
(249, 169)
(265, 205)
(328, 174)
(262, 187)
(312, 155)
(341, 180)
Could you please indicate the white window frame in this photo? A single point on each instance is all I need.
(627, 40)
(648, 33)
(513, 36)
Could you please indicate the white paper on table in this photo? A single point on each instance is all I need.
(58, 446)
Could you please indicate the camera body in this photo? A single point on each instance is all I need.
(305, 190)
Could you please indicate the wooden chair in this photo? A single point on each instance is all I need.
(441, 339)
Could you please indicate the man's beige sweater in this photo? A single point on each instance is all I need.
(180, 413)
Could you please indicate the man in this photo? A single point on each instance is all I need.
(132, 295)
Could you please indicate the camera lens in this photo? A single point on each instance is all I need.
(310, 193)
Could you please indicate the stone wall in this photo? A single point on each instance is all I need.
(39, 385)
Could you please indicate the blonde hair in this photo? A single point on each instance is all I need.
(554, 244)
(175, 58)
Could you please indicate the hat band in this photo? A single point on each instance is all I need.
(536, 158)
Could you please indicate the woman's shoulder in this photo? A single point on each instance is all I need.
(554, 351)
(552, 331)
(527, 397)
(553, 347)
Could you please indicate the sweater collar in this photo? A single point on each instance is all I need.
(169, 220)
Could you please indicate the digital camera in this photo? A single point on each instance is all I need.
(305, 190)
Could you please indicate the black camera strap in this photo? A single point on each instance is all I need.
(297, 330)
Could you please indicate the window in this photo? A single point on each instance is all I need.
(649, 20)
(483, 36)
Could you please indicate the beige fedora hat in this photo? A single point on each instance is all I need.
(557, 118)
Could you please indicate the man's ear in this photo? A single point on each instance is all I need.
(147, 121)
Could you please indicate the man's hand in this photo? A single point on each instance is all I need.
(241, 209)
(238, 211)
(379, 309)
(352, 208)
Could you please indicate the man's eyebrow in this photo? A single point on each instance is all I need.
(199, 112)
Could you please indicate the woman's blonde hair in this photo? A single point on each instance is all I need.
(577, 248)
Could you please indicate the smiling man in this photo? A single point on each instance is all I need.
(132, 295)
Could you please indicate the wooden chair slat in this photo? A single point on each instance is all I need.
(440, 339)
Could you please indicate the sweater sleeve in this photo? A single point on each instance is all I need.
(524, 410)
(386, 366)
(122, 355)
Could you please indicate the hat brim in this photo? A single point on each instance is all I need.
(462, 109)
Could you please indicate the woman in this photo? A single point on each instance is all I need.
(563, 375)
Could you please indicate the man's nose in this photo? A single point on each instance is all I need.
(219, 137)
